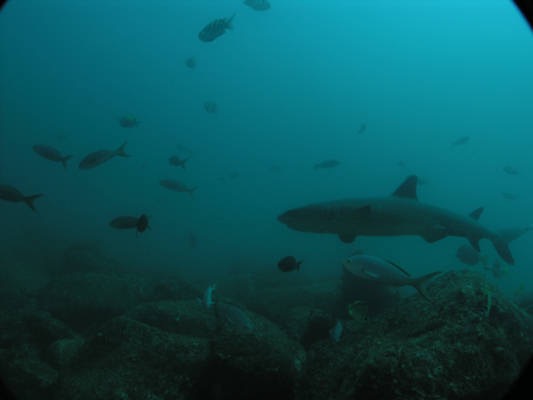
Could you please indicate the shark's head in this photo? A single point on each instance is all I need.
(306, 219)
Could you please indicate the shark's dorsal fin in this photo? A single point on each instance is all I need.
(408, 188)
(476, 213)
(398, 267)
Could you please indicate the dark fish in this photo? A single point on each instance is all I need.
(211, 107)
(191, 239)
(177, 162)
(177, 186)
(327, 164)
(468, 255)
(52, 154)
(386, 272)
(461, 141)
(215, 28)
(258, 5)
(289, 263)
(509, 196)
(101, 156)
(362, 129)
(128, 121)
(190, 62)
(127, 222)
(510, 170)
(9, 193)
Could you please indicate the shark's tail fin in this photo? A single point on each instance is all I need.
(121, 151)
(418, 282)
(64, 161)
(502, 247)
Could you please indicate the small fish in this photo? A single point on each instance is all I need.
(358, 310)
(385, 272)
(177, 186)
(258, 5)
(177, 162)
(215, 29)
(208, 297)
(335, 333)
(469, 256)
(191, 240)
(461, 141)
(127, 222)
(51, 153)
(96, 158)
(190, 63)
(210, 107)
(510, 170)
(510, 196)
(362, 129)
(327, 164)
(128, 121)
(289, 263)
(9, 193)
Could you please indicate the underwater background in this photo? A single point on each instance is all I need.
(387, 89)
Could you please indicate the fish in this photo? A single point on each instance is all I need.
(177, 186)
(96, 158)
(362, 129)
(510, 196)
(208, 297)
(233, 317)
(510, 170)
(461, 141)
(177, 162)
(327, 164)
(358, 310)
(385, 272)
(9, 193)
(398, 214)
(258, 5)
(210, 107)
(470, 256)
(335, 333)
(128, 121)
(127, 222)
(51, 153)
(289, 263)
(190, 63)
(215, 29)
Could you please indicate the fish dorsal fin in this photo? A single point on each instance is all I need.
(398, 267)
(408, 188)
(476, 213)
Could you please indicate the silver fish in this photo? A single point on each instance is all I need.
(215, 29)
(96, 158)
(127, 222)
(385, 272)
(327, 164)
(177, 186)
(9, 193)
(177, 162)
(51, 153)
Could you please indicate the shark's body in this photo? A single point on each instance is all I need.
(395, 215)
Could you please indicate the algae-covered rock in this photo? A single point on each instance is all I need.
(127, 359)
(468, 342)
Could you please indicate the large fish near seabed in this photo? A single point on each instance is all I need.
(395, 215)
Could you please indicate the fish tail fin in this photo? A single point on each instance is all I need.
(64, 161)
(418, 283)
(229, 22)
(30, 199)
(121, 151)
(502, 247)
(298, 264)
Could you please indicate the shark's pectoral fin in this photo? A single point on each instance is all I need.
(346, 237)
(474, 242)
(434, 235)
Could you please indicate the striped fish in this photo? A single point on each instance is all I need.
(215, 28)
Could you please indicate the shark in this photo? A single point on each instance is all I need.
(398, 214)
